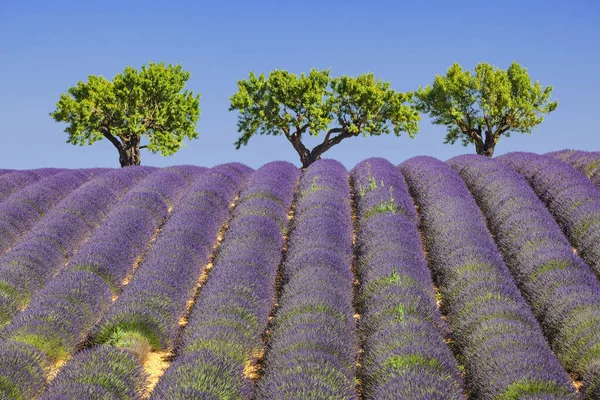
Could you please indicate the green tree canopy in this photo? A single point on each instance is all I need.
(480, 108)
(291, 105)
(146, 103)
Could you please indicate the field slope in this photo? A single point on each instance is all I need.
(473, 278)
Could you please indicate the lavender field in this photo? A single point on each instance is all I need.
(473, 278)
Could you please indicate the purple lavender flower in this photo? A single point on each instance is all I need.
(306, 358)
(571, 197)
(44, 251)
(400, 325)
(21, 370)
(14, 181)
(101, 372)
(155, 299)
(587, 162)
(559, 286)
(497, 336)
(21, 211)
(231, 312)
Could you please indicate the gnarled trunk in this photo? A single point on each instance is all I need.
(129, 153)
(488, 151)
(486, 148)
(130, 156)
(308, 158)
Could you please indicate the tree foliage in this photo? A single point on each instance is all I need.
(481, 108)
(147, 103)
(286, 104)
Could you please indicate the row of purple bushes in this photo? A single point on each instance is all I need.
(21, 211)
(570, 196)
(225, 328)
(156, 295)
(64, 311)
(586, 162)
(560, 288)
(400, 325)
(12, 181)
(49, 245)
(498, 339)
(155, 299)
(313, 344)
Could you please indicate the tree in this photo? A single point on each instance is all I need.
(135, 104)
(480, 109)
(285, 104)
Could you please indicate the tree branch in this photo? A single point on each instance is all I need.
(334, 130)
(106, 133)
(329, 142)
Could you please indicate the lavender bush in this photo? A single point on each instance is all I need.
(64, 311)
(30, 265)
(224, 329)
(313, 344)
(21, 211)
(499, 341)
(400, 326)
(155, 299)
(14, 181)
(559, 286)
(571, 197)
(21, 371)
(102, 372)
(587, 162)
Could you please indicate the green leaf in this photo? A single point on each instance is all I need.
(491, 102)
(150, 102)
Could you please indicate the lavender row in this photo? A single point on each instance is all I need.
(401, 328)
(313, 343)
(102, 372)
(499, 341)
(587, 162)
(73, 379)
(571, 197)
(224, 330)
(46, 248)
(14, 181)
(155, 299)
(134, 221)
(21, 211)
(64, 311)
(558, 285)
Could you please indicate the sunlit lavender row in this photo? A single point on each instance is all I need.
(223, 335)
(498, 339)
(13, 181)
(313, 344)
(559, 287)
(150, 314)
(64, 311)
(571, 197)
(587, 162)
(474, 278)
(48, 246)
(21, 211)
(401, 328)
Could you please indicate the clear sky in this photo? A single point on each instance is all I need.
(47, 46)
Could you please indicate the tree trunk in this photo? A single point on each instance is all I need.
(129, 154)
(486, 148)
(308, 158)
(488, 151)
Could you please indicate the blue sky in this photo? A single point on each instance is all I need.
(46, 47)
